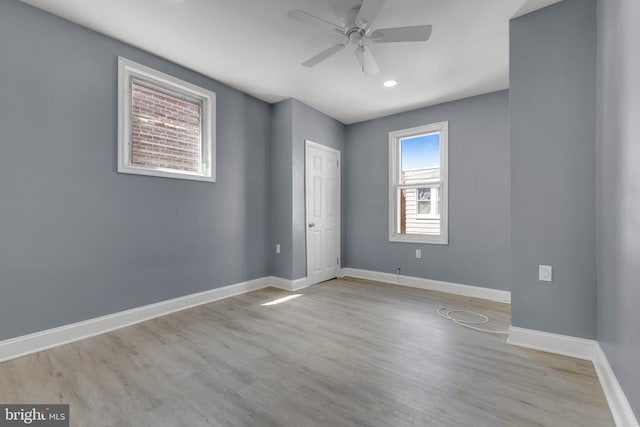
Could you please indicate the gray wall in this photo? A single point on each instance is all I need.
(78, 240)
(479, 223)
(552, 127)
(281, 190)
(293, 123)
(618, 225)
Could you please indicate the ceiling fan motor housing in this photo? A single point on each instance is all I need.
(356, 35)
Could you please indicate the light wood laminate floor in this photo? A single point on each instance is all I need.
(346, 353)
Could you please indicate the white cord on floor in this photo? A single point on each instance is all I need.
(468, 323)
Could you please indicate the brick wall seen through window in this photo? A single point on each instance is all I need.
(166, 130)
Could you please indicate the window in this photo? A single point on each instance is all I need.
(418, 184)
(426, 209)
(166, 125)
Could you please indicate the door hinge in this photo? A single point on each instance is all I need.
(337, 260)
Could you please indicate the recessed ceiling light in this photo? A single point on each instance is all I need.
(390, 83)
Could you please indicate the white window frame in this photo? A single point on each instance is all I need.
(128, 71)
(395, 139)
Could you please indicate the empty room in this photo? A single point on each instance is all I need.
(319, 213)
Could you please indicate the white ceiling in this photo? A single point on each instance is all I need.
(252, 45)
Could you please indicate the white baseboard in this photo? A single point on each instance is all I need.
(32, 343)
(564, 345)
(432, 285)
(286, 284)
(618, 402)
(581, 348)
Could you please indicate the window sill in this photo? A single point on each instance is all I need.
(434, 240)
(165, 173)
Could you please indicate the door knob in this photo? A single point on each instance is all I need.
(311, 225)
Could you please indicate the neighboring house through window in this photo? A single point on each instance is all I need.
(418, 186)
(166, 125)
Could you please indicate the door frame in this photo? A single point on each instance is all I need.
(308, 143)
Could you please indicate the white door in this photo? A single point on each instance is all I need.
(323, 212)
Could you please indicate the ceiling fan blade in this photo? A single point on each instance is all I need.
(323, 55)
(417, 33)
(367, 61)
(307, 18)
(368, 12)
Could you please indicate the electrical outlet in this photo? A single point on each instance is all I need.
(278, 248)
(545, 273)
(418, 253)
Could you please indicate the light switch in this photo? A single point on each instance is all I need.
(418, 253)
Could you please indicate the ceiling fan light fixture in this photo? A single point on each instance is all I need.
(390, 83)
(357, 35)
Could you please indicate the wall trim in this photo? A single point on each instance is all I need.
(286, 284)
(585, 349)
(43, 340)
(564, 345)
(618, 402)
(495, 295)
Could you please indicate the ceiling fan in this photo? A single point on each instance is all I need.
(357, 30)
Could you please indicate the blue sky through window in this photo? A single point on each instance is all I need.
(421, 152)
